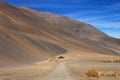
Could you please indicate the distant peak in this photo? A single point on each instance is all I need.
(3, 3)
(22, 7)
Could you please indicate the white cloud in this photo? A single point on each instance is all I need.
(107, 24)
(71, 1)
(113, 6)
(113, 33)
(50, 6)
(100, 22)
(97, 18)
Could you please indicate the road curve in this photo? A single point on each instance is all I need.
(59, 73)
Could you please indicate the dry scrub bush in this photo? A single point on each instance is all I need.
(96, 74)
(110, 61)
(112, 74)
(92, 73)
(109, 74)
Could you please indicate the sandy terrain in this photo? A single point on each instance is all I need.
(81, 66)
(26, 72)
(59, 70)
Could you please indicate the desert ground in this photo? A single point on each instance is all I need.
(65, 69)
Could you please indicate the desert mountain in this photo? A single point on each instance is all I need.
(28, 36)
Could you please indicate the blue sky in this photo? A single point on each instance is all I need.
(103, 14)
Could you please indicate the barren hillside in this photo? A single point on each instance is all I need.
(27, 36)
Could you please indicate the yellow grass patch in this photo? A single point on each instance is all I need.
(92, 73)
(110, 61)
(110, 74)
(97, 74)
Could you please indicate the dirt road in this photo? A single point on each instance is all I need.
(59, 73)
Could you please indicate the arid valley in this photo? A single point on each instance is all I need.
(36, 45)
